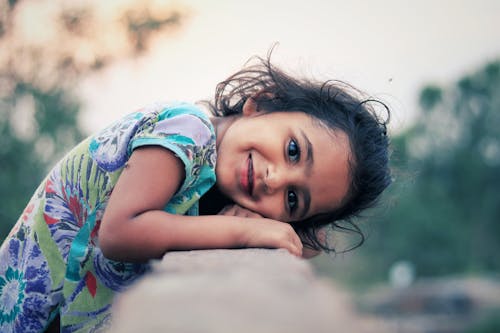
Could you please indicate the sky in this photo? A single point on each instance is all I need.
(388, 48)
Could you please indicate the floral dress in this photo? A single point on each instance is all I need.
(51, 262)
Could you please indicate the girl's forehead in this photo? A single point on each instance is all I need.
(330, 179)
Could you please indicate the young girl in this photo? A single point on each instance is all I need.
(280, 159)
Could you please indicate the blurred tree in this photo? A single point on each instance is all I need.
(444, 206)
(45, 48)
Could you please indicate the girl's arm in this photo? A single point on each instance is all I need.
(135, 227)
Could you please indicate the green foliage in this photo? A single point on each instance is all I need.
(491, 324)
(444, 207)
(430, 97)
(25, 158)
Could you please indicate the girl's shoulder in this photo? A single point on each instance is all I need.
(169, 124)
(164, 110)
(176, 121)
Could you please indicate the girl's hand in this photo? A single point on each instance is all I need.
(263, 232)
(273, 234)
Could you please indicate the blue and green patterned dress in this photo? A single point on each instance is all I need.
(51, 262)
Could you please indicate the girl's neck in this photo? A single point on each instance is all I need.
(212, 202)
(221, 124)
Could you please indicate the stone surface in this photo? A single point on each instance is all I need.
(247, 290)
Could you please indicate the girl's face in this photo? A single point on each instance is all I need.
(282, 165)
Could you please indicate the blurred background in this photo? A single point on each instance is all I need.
(431, 259)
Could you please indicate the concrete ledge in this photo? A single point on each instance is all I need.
(247, 290)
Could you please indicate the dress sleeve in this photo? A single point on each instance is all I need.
(186, 131)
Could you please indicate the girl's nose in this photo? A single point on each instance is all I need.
(275, 180)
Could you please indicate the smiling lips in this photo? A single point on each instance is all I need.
(247, 176)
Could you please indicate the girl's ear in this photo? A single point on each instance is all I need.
(250, 107)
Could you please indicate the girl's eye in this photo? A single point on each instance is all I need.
(293, 151)
(292, 201)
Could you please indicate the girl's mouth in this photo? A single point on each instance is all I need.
(250, 175)
(246, 176)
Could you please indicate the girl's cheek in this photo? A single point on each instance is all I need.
(270, 209)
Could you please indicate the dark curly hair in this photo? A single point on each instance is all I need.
(337, 105)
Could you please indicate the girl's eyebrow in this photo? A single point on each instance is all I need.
(307, 202)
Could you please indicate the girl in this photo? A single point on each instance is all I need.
(280, 159)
